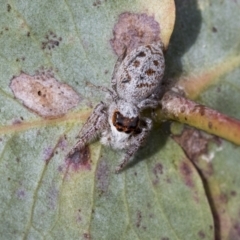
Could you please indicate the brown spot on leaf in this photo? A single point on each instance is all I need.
(157, 171)
(195, 144)
(186, 171)
(233, 193)
(201, 234)
(9, 7)
(133, 30)
(80, 160)
(44, 95)
(139, 219)
(87, 236)
(97, 3)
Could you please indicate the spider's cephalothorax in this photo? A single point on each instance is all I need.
(135, 84)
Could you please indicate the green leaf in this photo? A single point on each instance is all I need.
(203, 58)
(160, 195)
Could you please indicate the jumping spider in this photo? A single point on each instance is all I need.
(135, 85)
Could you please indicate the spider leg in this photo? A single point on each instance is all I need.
(136, 143)
(148, 103)
(110, 93)
(95, 124)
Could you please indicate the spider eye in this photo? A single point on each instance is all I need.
(127, 125)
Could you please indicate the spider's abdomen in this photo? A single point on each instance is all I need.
(140, 73)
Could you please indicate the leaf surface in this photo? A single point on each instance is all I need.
(160, 195)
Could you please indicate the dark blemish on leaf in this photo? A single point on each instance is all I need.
(133, 30)
(102, 177)
(28, 34)
(210, 125)
(106, 72)
(86, 236)
(165, 238)
(80, 160)
(51, 41)
(157, 171)
(97, 3)
(79, 217)
(201, 234)
(139, 219)
(9, 7)
(18, 160)
(186, 172)
(233, 193)
(195, 144)
(62, 143)
(21, 193)
(6, 28)
(8, 178)
(48, 154)
(214, 29)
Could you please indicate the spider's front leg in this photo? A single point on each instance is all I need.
(136, 142)
(95, 124)
(148, 103)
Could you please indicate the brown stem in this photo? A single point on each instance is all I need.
(178, 108)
